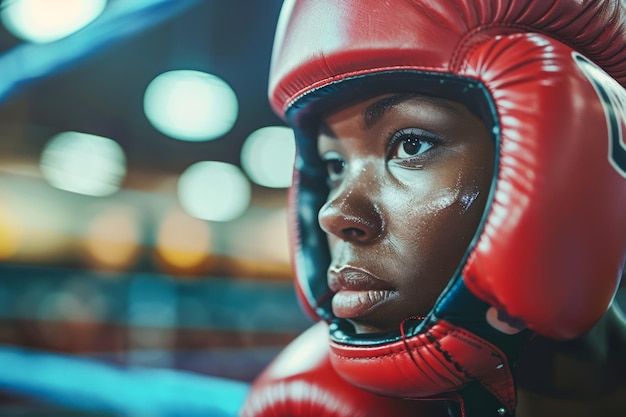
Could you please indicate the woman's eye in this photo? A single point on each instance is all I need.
(410, 143)
(335, 165)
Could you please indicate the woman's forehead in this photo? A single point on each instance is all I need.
(372, 109)
(379, 102)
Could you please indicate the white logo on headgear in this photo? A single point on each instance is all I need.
(613, 97)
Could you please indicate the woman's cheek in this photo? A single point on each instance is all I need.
(434, 190)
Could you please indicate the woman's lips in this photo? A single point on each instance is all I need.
(357, 291)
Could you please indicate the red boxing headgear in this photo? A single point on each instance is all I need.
(547, 77)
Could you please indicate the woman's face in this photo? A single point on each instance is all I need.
(409, 178)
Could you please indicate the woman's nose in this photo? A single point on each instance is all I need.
(352, 216)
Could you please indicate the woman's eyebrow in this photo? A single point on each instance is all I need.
(324, 129)
(373, 113)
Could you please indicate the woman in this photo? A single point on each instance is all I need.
(457, 209)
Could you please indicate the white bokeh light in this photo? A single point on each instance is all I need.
(190, 105)
(42, 21)
(267, 156)
(214, 191)
(83, 164)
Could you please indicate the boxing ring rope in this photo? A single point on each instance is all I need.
(89, 385)
(121, 19)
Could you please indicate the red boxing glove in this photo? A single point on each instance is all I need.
(301, 382)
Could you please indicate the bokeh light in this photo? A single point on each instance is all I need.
(42, 21)
(9, 232)
(214, 191)
(112, 240)
(267, 156)
(190, 105)
(38, 228)
(83, 164)
(183, 242)
(267, 236)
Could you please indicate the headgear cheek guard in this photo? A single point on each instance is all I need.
(546, 76)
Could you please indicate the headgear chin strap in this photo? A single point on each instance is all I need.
(545, 77)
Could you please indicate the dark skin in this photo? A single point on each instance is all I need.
(409, 180)
(410, 177)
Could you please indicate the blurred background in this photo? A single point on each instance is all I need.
(143, 182)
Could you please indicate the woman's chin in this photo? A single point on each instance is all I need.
(365, 328)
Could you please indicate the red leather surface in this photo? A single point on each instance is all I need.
(552, 247)
(320, 41)
(301, 382)
(443, 359)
